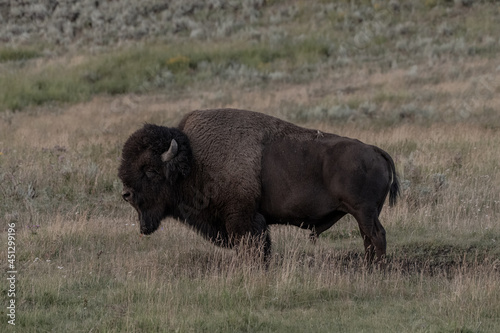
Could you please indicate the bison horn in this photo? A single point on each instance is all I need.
(171, 152)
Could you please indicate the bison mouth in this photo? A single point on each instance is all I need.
(149, 222)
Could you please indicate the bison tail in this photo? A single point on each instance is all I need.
(394, 189)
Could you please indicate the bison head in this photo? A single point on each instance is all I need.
(154, 160)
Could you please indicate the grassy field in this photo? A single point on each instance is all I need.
(419, 80)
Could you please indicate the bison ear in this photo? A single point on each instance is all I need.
(171, 152)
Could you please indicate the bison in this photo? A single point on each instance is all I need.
(231, 173)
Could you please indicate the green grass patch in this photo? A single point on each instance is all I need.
(52, 85)
(151, 68)
(17, 54)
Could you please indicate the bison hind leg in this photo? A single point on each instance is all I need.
(373, 234)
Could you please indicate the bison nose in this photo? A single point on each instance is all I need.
(127, 195)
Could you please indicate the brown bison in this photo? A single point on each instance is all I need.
(231, 173)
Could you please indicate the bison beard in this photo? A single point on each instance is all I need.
(231, 173)
(150, 221)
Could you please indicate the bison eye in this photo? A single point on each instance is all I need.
(152, 173)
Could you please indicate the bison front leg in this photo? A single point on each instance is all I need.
(250, 236)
